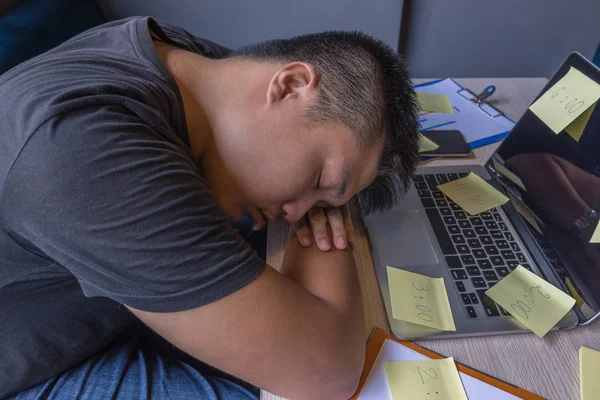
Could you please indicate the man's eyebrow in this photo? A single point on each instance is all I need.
(341, 191)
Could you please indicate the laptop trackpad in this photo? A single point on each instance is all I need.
(402, 238)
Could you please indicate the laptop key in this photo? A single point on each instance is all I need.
(469, 233)
(463, 249)
(419, 178)
(479, 253)
(421, 185)
(453, 229)
(473, 271)
(512, 264)
(460, 286)
(502, 244)
(441, 178)
(452, 176)
(455, 206)
(487, 216)
(509, 236)
(496, 234)
(453, 262)
(491, 250)
(424, 193)
(491, 225)
(488, 304)
(514, 246)
(465, 298)
(484, 264)
(462, 174)
(521, 258)
(440, 231)
(449, 220)
(504, 312)
(478, 282)
(502, 271)
(471, 312)
(431, 181)
(437, 194)
(486, 240)
(467, 259)
(526, 266)
(460, 215)
(473, 297)
(481, 230)
(458, 274)
(503, 226)
(473, 243)
(446, 212)
(490, 275)
(464, 224)
(458, 239)
(507, 254)
(441, 203)
(476, 221)
(427, 202)
(497, 216)
(497, 261)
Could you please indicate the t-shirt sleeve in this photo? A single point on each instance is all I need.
(125, 209)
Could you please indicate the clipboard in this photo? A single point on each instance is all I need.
(480, 122)
(377, 339)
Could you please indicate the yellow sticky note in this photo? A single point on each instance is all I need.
(438, 103)
(596, 236)
(531, 300)
(566, 100)
(420, 299)
(525, 213)
(589, 364)
(575, 128)
(425, 380)
(473, 194)
(426, 144)
(578, 299)
(508, 174)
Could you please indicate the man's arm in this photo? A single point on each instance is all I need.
(299, 334)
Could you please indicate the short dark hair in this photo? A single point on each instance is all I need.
(364, 85)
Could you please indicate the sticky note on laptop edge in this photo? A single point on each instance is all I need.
(575, 129)
(566, 100)
(437, 103)
(419, 299)
(534, 302)
(473, 194)
(425, 379)
(596, 235)
(589, 364)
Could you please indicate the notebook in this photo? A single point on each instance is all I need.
(383, 347)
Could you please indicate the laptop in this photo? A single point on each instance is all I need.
(553, 182)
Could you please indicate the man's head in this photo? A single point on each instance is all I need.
(318, 119)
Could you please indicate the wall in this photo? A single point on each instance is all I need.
(237, 22)
(485, 38)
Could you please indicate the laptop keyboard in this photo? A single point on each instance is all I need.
(479, 250)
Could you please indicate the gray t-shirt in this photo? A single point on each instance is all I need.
(101, 202)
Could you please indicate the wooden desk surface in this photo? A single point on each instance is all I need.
(548, 367)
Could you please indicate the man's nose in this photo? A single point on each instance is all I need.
(295, 210)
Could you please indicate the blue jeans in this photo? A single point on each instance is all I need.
(141, 365)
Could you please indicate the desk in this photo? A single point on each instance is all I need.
(548, 367)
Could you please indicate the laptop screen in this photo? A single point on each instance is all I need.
(554, 184)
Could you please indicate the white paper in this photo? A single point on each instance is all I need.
(468, 118)
(376, 386)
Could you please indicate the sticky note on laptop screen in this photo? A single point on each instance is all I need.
(533, 301)
(596, 235)
(570, 97)
(575, 129)
(419, 299)
(425, 380)
(589, 364)
(437, 103)
(473, 194)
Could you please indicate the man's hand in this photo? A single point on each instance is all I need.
(316, 220)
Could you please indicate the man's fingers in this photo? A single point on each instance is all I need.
(302, 232)
(336, 222)
(318, 224)
(348, 226)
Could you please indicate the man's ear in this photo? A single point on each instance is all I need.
(292, 80)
